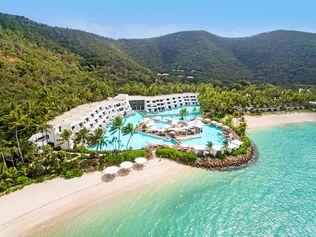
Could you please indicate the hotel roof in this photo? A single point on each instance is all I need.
(80, 112)
(157, 97)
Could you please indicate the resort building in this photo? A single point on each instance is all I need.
(154, 104)
(90, 116)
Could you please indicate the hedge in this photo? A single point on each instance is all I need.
(180, 156)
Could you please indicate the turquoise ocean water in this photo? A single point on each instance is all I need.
(274, 197)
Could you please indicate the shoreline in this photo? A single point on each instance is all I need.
(277, 119)
(43, 205)
(39, 207)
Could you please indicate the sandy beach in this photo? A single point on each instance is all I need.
(270, 120)
(39, 205)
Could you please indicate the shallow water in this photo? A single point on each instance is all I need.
(274, 197)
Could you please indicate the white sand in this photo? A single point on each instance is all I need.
(270, 120)
(27, 210)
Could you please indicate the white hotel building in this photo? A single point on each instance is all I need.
(102, 113)
(91, 116)
(154, 104)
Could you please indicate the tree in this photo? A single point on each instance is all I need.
(144, 128)
(183, 113)
(65, 137)
(97, 139)
(82, 137)
(209, 146)
(116, 127)
(131, 130)
(16, 122)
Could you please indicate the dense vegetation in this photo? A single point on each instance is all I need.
(187, 158)
(45, 71)
(282, 57)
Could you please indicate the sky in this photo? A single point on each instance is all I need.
(151, 18)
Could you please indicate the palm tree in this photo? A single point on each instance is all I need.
(131, 130)
(15, 121)
(117, 126)
(144, 128)
(209, 145)
(183, 113)
(82, 137)
(225, 143)
(65, 136)
(97, 139)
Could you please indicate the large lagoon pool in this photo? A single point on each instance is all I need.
(141, 140)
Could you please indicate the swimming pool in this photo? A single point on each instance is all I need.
(140, 140)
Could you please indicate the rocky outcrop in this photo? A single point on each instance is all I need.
(230, 162)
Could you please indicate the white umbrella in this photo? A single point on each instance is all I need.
(217, 147)
(199, 147)
(158, 118)
(151, 123)
(141, 160)
(126, 165)
(111, 170)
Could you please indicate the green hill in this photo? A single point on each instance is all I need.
(279, 57)
(97, 52)
(282, 57)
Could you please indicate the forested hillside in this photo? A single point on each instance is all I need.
(97, 53)
(194, 53)
(281, 57)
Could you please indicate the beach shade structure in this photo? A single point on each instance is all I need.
(225, 128)
(150, 123)
(158, 118)
(196, 124)
(126, 165)
(232, 147)
(140, 160)
(219, 125)
(199, 147)
(111, 170)
(237, 142)
(173, 122)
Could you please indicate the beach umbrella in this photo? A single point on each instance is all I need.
(217, 147)
(199, 147)
(158, 118)
(141, 160)
(126, 165)
(111, 170)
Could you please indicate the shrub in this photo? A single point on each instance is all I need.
(81, 149)
(23, 180)
(73, 173)
(39, 180)
(221, 156)
(124, 156)
(5, 186)
(171, 153)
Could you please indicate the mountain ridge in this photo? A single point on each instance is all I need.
(279, 57)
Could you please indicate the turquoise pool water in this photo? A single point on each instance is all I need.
(274, 197)
(190, 109)
(138, 141)
(141, 140)
(209, 133)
